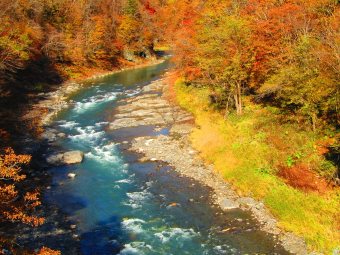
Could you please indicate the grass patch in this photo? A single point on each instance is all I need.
(248, 151)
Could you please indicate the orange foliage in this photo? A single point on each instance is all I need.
(301, 177)
(48, 251)
(324, 145)
(16, 205)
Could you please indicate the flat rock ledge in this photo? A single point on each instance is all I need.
(51, 103)
(150, 108)
(66, 158)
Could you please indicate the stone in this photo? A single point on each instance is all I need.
(50, 136)
(247, 201)
(227, 204)
(147, 143)
(55, 159)
(61, 135)
(71, 175)
(73, 157)
(294, 244)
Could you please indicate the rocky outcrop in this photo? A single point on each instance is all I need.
(67, 158)
(175, 149)
(148, 109)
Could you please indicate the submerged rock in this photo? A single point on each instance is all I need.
(67, 158)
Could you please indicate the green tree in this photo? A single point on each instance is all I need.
(131, 7)
(224, 57)
(301, 86)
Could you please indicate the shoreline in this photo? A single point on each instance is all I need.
(36, 144)
(164, 147)
(53, 102)
(175, 150)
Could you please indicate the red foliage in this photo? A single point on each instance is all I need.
(301, 177)
(149, 8)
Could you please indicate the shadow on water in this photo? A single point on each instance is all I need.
(106, 238)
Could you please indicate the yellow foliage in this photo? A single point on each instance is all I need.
(240, 151)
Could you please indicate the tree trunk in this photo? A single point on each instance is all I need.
(314, 117)
(227, 107)
(236, 102)
(238, 99)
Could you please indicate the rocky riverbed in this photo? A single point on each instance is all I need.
(152, 108)
(49, 104)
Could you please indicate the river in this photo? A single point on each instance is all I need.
(122, 206)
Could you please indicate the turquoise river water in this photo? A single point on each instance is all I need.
(121, 206)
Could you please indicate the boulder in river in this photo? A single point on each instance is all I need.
(73, 157)
(67, 158)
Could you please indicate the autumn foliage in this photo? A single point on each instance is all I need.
(16, 205)
(301, 177)
(281, 53)
(71, 35)
(48, 251)
(18, 202)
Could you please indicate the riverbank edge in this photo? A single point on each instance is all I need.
(35, 142)
(283, 232)
(42, 112)
(176, 150)
(57, 101)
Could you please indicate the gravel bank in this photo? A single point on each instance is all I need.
(152, 108)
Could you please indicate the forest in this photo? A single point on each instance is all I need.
(261, 77)
(284, 53)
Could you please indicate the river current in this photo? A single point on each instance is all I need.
(122, 206)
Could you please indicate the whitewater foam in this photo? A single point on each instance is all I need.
(137, 199)
(87, 134)
(99, 124)
(69, 124)
(93, 101)
(131, 93)
(129, 181)
(104, 154)
(136, 248)
(176, 234)
(133, 225)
